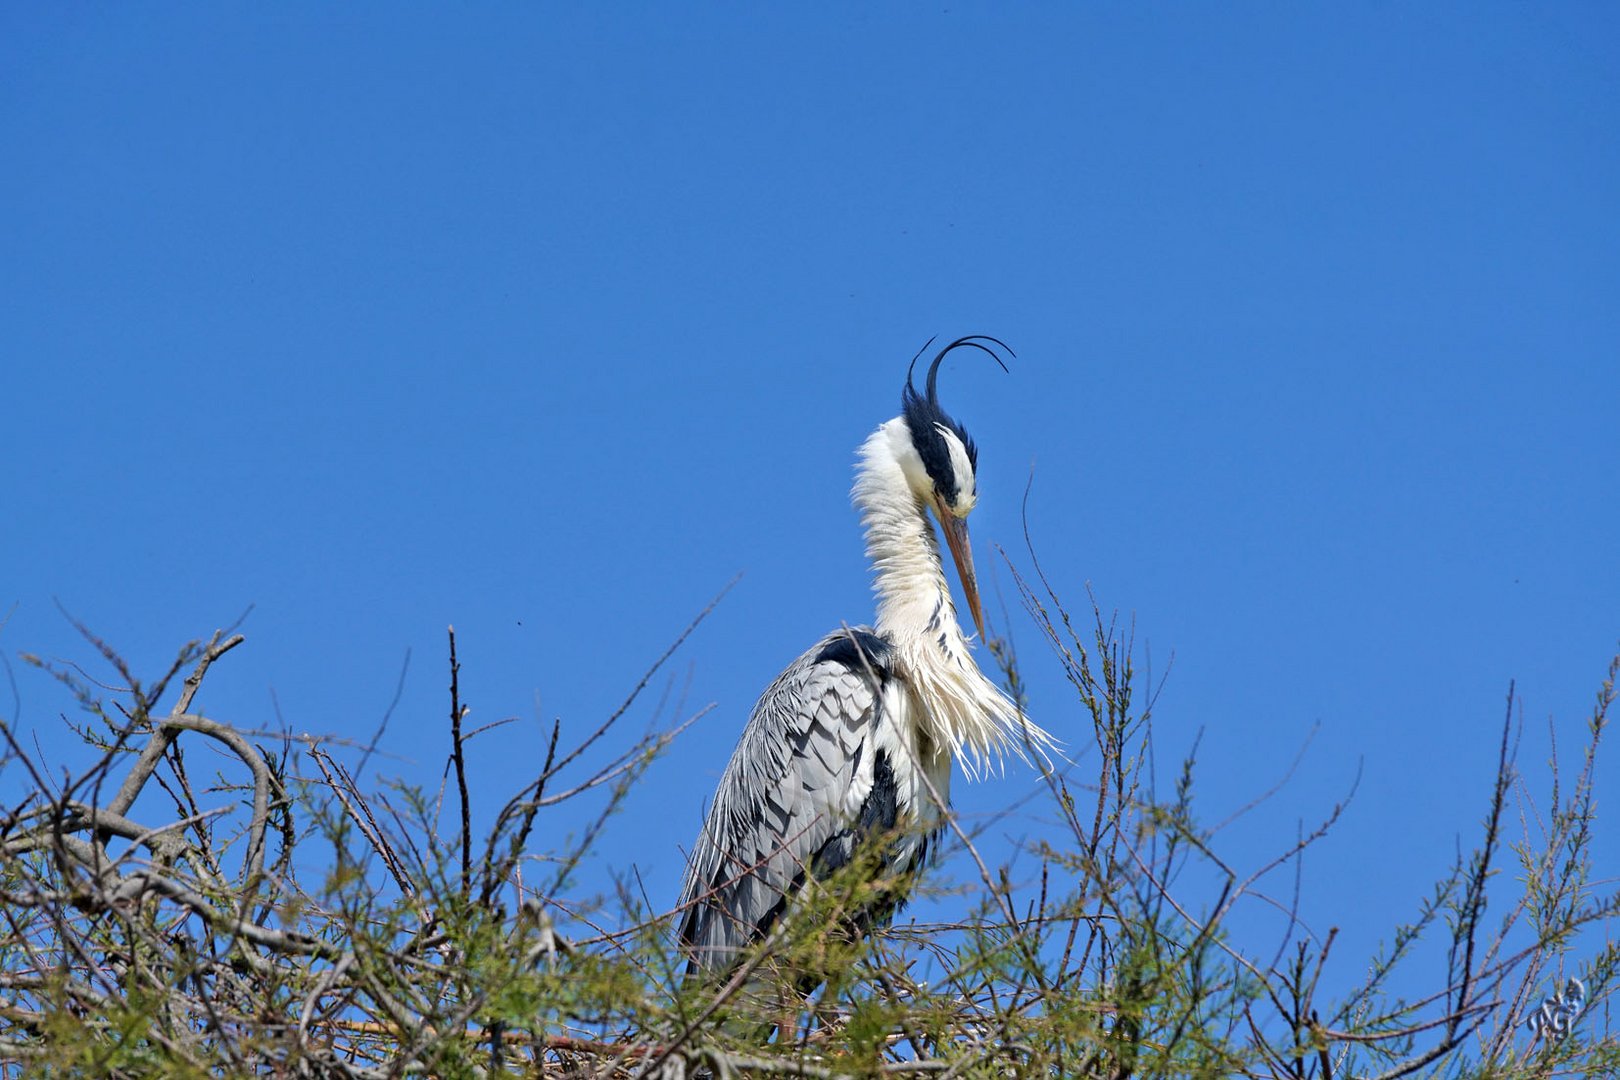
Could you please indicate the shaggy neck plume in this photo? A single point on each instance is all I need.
(970, 714)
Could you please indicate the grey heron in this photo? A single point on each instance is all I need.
(856, 739)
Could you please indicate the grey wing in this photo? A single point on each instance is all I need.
(788, 801)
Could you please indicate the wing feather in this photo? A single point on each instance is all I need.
(796, 782)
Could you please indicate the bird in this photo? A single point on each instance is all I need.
(854, 743)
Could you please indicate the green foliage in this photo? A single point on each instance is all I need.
(277, 918)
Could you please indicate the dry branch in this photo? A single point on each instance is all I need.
(140, 940)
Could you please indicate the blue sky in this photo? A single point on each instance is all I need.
(548, 321)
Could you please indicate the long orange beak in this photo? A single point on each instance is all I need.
(956, 535)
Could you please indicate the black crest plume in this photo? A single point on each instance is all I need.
(923, 412)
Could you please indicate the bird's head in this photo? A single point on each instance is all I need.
(943, 461)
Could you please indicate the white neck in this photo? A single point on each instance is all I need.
(913, 595)
(961, 711)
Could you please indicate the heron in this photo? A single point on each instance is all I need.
(854, 743)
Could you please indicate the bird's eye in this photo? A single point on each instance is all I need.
(959, 501)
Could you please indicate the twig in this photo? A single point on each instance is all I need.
(457, 711)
